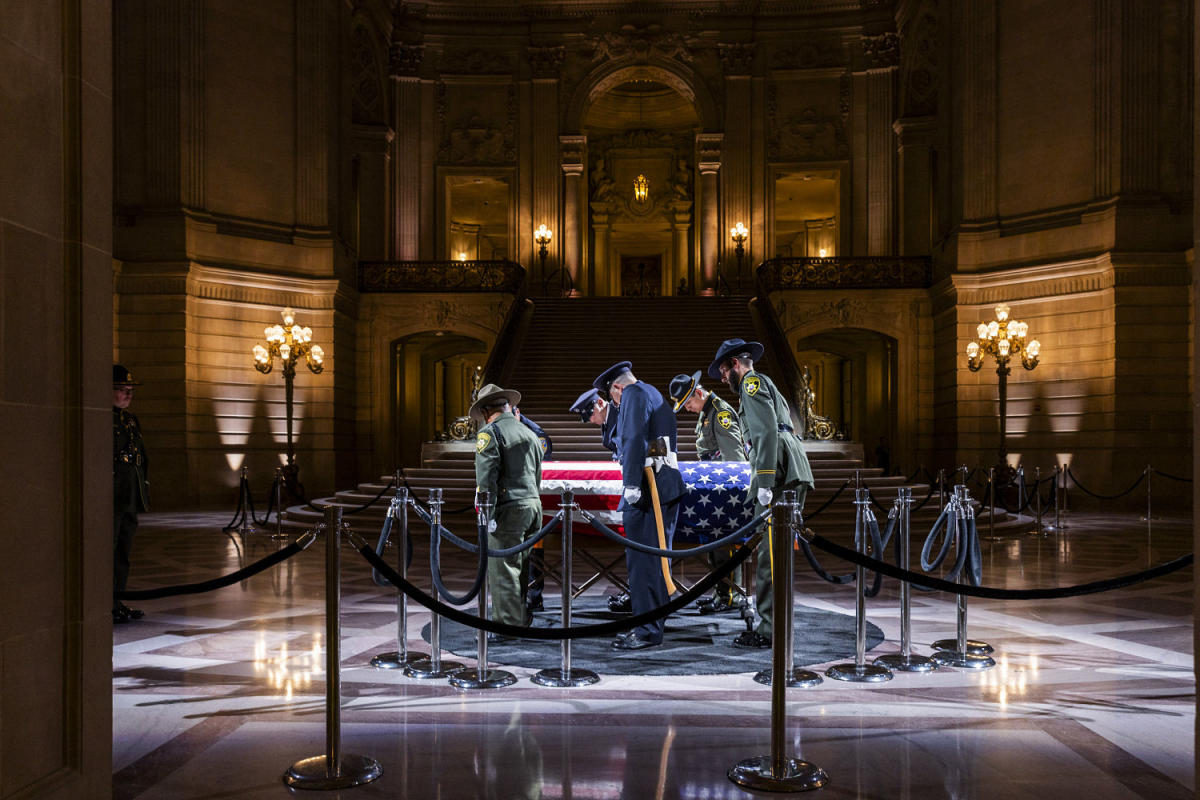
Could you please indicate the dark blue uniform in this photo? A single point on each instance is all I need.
(543, 438)
(608, 432)
(645, 418)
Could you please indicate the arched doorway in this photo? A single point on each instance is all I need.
(432, 375)
(640, 123)
(853, 374)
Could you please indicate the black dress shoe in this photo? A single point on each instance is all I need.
(119, 617)
(632, 641)
(752, 640)
(620, 604)
(537, 605)
(716, 605)
(132, 613)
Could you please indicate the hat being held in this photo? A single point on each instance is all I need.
(489, 396)
(681, 388)
(585, 404)
(123, 377)
(605, 379)
(733, 347)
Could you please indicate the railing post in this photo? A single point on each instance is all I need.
(334, 769)
(433, 667)
(797, 677)
(403, 656)
(566, 675)
(860, 671)
(778, 772)
(905, 661)
(960, 651)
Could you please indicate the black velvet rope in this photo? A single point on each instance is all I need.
(928, 496)
(699, 589)
(1171, 477)
(435, 562)
(828, 502)
(546, 530)
(992, 593)
(218, 583)
(357, 509)
(1099, 496)
(724, 541)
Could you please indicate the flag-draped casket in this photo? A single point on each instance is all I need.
(715, 503)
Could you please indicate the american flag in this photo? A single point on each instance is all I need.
(715, 504)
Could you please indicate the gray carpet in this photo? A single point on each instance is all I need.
(692, 645)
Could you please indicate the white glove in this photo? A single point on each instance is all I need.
(764, 497)
(632, 494)
(491, 526)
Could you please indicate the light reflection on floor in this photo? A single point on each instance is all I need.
(216, 694)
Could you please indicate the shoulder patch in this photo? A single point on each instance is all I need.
(482, 441)
(751, 385)
(726, 419)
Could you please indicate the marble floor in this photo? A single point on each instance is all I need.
(215, 695)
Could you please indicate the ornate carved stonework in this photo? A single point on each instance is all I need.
(640, 45)
(708, 150)
(477, 141)
(406, 59)
(919, 63)
(882, 50)
(863, 272)
(366, 104)
(571, 151)
(737, 59)
(439, 276)
(806, 136)
(545, 62)
(476, 61)
(814, 54)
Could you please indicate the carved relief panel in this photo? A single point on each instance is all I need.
(807, 119)
(477, 121)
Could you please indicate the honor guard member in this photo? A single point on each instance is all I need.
(652, 487)
(777, 459)
(534, 576)
(508, 465)
(718, 437)
(595, 410)
(131, 487)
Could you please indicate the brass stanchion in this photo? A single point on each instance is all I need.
(905, 661)
(278, 486)
(480, 677)
(779, 772)
(433, 667)
(566, 675)
(333, 769)
(860, 671)
(798, 677)
(960, 651)
(398, 510)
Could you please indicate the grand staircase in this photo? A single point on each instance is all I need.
(570, 341)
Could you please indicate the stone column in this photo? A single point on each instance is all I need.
(915, 137)
(679, 247)
(977, 54)
(372, 149)
(573, 152)
(314, 66)
(406, 172)
(601, 232)
(545, 64)
(737, 61)
(881, 155)
(708, 160)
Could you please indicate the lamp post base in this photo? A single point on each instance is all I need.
(313, 773)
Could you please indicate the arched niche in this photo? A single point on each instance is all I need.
(614, 73)
(431, 386)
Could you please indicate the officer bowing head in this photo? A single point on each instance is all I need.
(612, 381)
(734, 358)
(590, 407)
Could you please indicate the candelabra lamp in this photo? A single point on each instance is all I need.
(289, 343)
(1003, 339)
(739, 233)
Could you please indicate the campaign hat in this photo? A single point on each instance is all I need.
(733, 347)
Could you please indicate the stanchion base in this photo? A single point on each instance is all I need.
(799, 679)
(425, 670)
(952, 658)
(901, 663)
(474, 678)
(567, 679)
(310, 773)
(867, 673)
(396, 661)
(973, 647)
(798, 776)
(280, 536)
(245, 530)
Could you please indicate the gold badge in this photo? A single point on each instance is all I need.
(726, 419)
(752, 384)
(482, 441)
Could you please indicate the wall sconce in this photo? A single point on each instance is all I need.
(739, 233)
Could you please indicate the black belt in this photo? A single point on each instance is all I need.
(785, 428)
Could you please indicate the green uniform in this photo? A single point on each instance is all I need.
(508, 464)
(719, 437)
(777, 462)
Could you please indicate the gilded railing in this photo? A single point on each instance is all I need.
(852, 272)
(440, 276)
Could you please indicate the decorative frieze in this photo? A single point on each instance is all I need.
(882, 50)
(405, 60)
(806, 136)
(545, 62)
(708, 151)
(440, 276)
(477, 140)
(737, 59)
(862, 272)
(477, 61)
(810, 54)
(640, 45)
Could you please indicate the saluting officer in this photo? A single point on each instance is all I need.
(131, 486)
(508, 464)
(777, 459)
(718, 436)
(647, 436)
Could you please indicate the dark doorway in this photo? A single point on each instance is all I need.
(641, 276)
